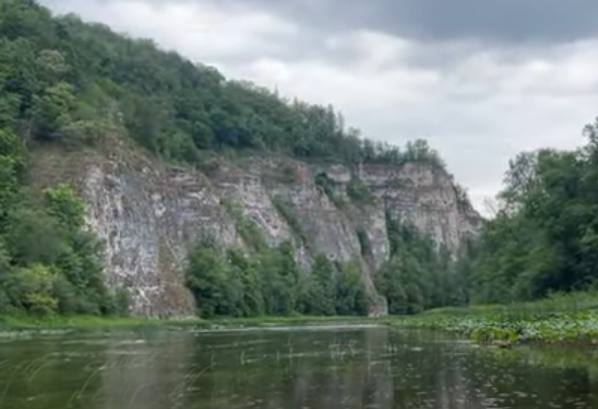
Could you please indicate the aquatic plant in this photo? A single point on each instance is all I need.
(561, 318)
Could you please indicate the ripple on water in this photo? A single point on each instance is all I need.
(322, 366)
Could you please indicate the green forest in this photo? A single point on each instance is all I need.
(68, 81)
(63, 81)
(544, 238)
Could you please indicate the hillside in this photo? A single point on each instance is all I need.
(202, 192)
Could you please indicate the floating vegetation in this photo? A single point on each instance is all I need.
(563, 318)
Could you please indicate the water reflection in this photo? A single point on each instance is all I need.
(147, 372)
(319, 368)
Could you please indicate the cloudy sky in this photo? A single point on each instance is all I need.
(481, 80)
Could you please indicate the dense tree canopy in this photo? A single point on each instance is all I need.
(544, 236)
(62, 79)
(268, 281)
(419, 274)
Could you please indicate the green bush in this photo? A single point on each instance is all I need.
(326, 185)
(50, 263)
(359, 192)
(36, 289)
(351, 295)
(285, 209)
(249, 231)
(364, 242)
(123, 301)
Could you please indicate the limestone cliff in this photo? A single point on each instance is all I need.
(149, 214)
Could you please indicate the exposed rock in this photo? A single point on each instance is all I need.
(149, 215)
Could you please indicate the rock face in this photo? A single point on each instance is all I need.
(149, 215)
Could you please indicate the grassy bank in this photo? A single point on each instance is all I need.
(29, 323)
(563, 318)
(20, 323)
(559, 319)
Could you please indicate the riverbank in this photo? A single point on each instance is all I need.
(27, 323)
(23, 322)
(559, 319)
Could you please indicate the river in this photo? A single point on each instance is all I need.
(365, 367)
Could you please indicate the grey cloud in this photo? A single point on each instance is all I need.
(446, 30)
(498, 21)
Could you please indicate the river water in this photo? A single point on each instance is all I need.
(279, 368)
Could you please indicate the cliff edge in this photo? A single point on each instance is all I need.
(150, 214)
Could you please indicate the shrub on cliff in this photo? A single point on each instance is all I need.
(359, 192)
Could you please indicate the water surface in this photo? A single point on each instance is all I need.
(295, 368)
